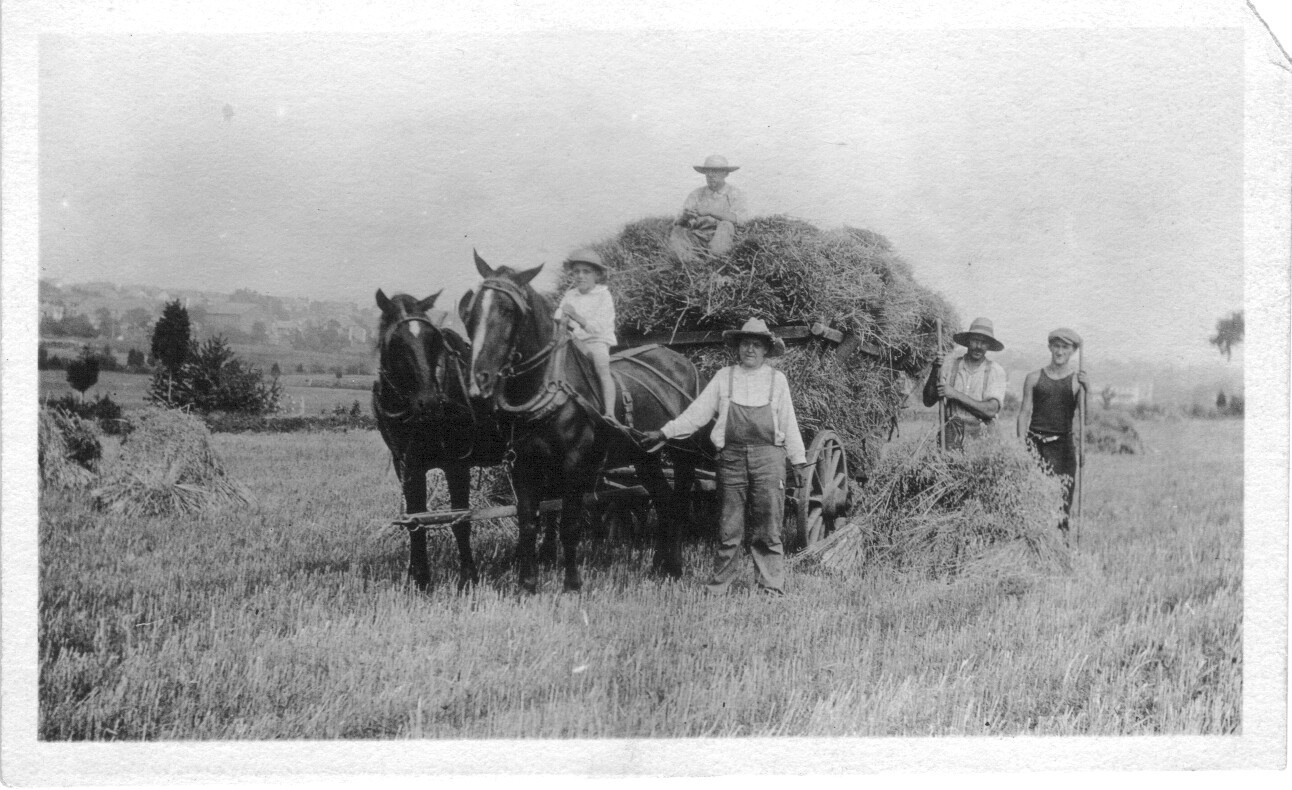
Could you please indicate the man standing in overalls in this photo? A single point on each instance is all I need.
(754, 432)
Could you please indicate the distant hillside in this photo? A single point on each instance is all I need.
(125, 313)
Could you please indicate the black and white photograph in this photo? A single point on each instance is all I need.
(642, 389)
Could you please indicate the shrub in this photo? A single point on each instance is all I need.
(172, 337)
(222, 422)
(1236, 405)
(135, 360)
(212, 379)
(103, 410)
(1148, 411)
(1112, 432)
(83, 373)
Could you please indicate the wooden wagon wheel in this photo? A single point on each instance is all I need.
(825, 496)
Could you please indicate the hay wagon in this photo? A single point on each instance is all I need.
(811, 509)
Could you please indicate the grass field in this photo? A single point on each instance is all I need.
(292, 619)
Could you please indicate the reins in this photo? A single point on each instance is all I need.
(554, 390)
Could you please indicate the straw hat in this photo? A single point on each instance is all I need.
(589, 257)
(716, 163)
(982, 328)
(1063, 333)
(756, 327)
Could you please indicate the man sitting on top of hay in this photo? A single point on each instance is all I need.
(974, 387)
(710, 214)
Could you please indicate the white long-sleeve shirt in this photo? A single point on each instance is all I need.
(748, 388)
(596, 308)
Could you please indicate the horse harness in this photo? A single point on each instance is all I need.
(556, 391)
(385, 383)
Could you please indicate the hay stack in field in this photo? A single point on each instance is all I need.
(167, 466)
(67, 449)
(1112, 432)
(989, 508)
(788, 272)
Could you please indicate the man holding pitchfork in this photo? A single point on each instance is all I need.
(973, 388)
(1049, 415)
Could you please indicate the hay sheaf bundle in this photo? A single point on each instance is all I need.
(167, 466)
(787, 271)
(68, 449)
(990, 508)
(1112, 432)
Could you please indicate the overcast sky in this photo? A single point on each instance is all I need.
(1083, 177)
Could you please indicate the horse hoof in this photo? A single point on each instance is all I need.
(573, 583)
(529, 585)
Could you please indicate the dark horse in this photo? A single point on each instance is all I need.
(428, 421)
(548, 390)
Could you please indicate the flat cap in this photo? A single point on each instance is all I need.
(1063, 333)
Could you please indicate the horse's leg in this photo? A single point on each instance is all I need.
(683, 486)
(414, 477)
(572, 528)
(668, 554)
(459, 480)
(528, 495)
(547, 551)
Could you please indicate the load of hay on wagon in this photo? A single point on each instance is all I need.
(793, 274)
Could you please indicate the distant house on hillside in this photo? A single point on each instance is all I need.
(357, 334)
(282, 331)
(52, 311)
(237, 316)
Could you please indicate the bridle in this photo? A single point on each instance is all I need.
(439, 375)
(516, 365)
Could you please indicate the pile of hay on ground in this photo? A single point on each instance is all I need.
(68, 449)
(1112, 432)
(786, 272)
(167, 466)
(989, 508)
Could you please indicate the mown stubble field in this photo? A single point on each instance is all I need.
(291, 618)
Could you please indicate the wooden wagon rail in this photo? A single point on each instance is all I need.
(449, 517)
(847, 343)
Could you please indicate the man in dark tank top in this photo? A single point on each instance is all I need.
(1047, 418)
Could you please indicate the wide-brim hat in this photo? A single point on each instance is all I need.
(982, 328)
(755, 327)
(715, 163)
(589, 257)
(1063, 333)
